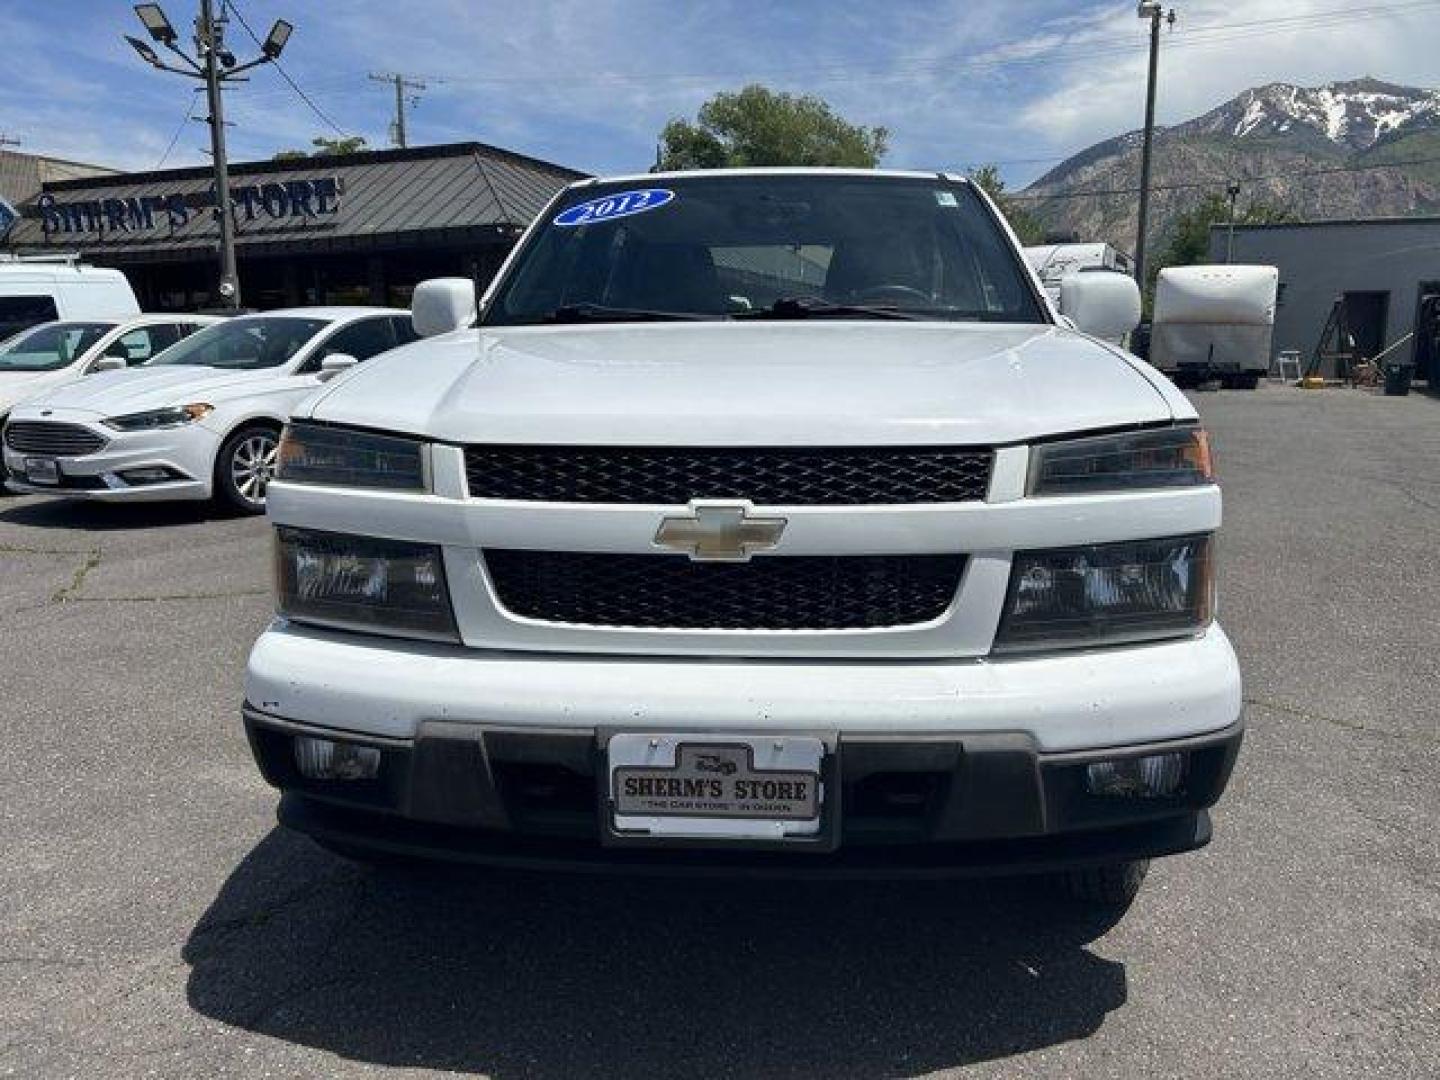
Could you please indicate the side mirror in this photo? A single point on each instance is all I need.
(1101, 303)
(334, 364)
(441, 305)
(111, 362)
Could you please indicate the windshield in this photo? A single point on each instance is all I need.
(244, 344)
(768, 246)
(51, 347)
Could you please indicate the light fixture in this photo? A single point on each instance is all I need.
(1154, 776)
(324, 759)
(274, 43)
(156, 22)
(149, 55)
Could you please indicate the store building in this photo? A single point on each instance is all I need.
(355, 228)
(1384, 272)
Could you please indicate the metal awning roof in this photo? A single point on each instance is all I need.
(465, 191)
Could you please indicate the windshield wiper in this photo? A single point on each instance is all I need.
(573, 313)
(812, 307)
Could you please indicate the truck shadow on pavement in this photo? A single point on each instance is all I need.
(516, 975)
(103, 517)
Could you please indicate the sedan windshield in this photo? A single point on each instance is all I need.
(245, 344)
(52, 346)
(767, 246)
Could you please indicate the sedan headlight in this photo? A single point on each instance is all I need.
(344, 457)
(1159, 458)
(1105, 594)
(157, 419)
(363, 583)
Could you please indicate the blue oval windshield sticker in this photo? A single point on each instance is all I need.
(621, 204)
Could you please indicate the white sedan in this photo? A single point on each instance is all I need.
(202, 420)
(54, 353)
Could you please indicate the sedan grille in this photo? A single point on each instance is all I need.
(774, 476)
(772, 593)
(52, 439)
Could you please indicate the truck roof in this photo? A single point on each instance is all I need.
(771, 170)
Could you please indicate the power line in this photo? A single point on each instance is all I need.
(233, 7)
(1061, 52)
(180, 128)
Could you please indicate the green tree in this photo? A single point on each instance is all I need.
(350, 144)
(1190, 235)
(987, 178)
(757, 126)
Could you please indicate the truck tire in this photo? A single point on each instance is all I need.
(1247, 382)
(1112, 884)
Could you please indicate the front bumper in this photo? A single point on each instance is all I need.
(187, 453)
(902, 806)
(938, 767)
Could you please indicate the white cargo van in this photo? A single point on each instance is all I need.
(33, 291)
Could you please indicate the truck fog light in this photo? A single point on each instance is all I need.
(1151, 777)
(322, 759)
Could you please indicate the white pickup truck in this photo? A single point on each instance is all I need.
(766, 521)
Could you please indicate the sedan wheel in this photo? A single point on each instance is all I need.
(247, 463)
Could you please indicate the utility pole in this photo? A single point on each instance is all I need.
(210, 42)
(1155, 12)
(1234, 192)
(216, 65)
(401, 84)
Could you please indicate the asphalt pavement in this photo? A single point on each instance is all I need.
(155, 922)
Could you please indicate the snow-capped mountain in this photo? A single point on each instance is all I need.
(1355, 114)
(1310, 150)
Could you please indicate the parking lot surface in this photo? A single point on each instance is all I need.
(155, 922)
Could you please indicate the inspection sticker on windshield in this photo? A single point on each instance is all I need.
(946, 198)
(621, 204)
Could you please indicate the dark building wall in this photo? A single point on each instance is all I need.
(1321, 261)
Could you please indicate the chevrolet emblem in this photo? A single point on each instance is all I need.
(719, 532)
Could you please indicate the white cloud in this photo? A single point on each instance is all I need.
(591, 82)
(1092, 100)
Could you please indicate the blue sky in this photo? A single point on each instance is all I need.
(589, 83)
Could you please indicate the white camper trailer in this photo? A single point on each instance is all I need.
(1052, 262)
(1214, 322)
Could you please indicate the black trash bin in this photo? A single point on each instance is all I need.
(1397, 379)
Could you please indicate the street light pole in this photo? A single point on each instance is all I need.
(1234, 192)
(219, 64)
(209, 38)
(1153, 11)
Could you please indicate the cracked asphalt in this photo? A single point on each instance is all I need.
(154, 922)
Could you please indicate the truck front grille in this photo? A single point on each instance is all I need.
(807, 592)
(774, 476)
(53, 439)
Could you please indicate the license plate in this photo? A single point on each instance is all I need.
(42, 470)
(752, 787)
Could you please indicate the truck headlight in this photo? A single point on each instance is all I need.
(363, 583)
(1105, 594)
(156, 419)
(344, 457)
(1159, 458)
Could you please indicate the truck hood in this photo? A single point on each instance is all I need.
(115, 393)
(808, 383)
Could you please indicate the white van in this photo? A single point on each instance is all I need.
(33, 291)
